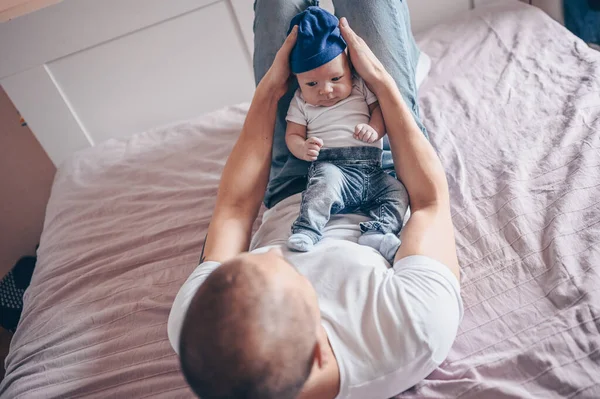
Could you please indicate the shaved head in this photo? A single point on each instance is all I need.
(250, 331)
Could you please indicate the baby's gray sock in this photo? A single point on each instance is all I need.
(300, 242)
(386, 244)
(389, 246)
(372, 240)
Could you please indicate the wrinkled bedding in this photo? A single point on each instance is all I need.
(512, 106)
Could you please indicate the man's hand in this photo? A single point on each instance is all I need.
(276, 80)
(312, 147)
(366, 64)
(365, 133)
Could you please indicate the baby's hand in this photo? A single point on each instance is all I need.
(365, 133)
(312, 147)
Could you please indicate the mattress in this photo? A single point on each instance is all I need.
(512, 105)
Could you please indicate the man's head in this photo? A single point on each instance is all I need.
(318, 59)
(252, 331)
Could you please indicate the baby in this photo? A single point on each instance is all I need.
(335, 122)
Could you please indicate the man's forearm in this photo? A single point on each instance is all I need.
(244, 180)
(415, 160)
(246, 172)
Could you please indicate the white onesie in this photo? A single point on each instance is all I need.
(335, 124)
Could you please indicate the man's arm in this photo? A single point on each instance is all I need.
(243, 182)
(429, 231)
(246, 172)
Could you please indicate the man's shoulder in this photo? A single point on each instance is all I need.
(400, 331)
(184, 297)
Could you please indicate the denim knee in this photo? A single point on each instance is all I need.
(277, 5)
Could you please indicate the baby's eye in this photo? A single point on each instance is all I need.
(311, 84)
(337, 78)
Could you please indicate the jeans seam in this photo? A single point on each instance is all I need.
(311, 172)
(353, 162)
(366, 188)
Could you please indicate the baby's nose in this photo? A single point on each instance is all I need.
(327, 89)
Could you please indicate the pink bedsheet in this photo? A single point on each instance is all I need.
(513, 108)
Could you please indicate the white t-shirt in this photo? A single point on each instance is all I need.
(389, 327)
(335, 124)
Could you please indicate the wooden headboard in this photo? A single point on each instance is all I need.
(83, 71)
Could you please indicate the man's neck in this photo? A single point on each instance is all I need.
(323, 383)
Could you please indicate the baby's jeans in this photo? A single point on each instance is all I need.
(351, 180)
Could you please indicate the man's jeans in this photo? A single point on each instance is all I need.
(350, 180)
(383, 24)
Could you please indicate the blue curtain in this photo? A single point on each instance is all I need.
(582, 17)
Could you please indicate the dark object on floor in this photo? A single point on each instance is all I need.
(5, 338)
(582, 17)
(12, 288)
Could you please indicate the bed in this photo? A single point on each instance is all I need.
(512, 104)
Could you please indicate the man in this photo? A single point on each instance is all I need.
(339, 323)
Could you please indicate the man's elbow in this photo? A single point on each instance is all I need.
(238, 210)
(436, 197)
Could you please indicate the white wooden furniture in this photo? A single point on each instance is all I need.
(83, 71)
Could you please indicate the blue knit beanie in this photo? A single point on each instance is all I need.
(319, 39)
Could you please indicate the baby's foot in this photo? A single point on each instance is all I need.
(389, 246)
(300, 242)
(372, 240)
(386, 244)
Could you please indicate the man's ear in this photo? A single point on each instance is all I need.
(321, 352)
(319, 356)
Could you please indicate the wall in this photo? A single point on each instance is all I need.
(26, 175)
(554, 8)
(425, 14)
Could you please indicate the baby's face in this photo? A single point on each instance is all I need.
(327, 84)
